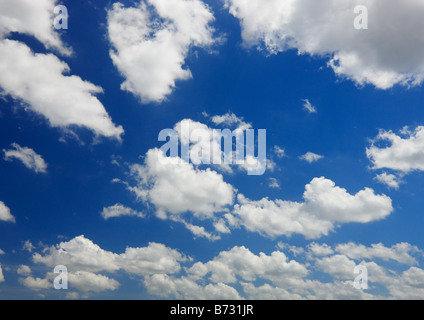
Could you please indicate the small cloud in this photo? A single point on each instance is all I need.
(27, 156)
(28, 246)
(389, 180)
(118, 210)
(311, 157)
(273, 183)
(5, 214)
(279, 152)
(307, 106)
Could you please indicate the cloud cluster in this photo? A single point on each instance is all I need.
(237, 273)
(85, 260)
(389, 52)
(403, 152)
(34, 18)
(325, 207)
(152, 40)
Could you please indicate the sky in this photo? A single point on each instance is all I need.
(85, 183)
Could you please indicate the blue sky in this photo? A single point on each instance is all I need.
(59, 176)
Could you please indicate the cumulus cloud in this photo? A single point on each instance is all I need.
(81, 254)
(389, 52)
(183, 288)
(5, 214)
(338, 266)
(119, 210)
(241, 263)
(203, 144)
(230, 119)
(24, 270)
(279, 152)
(404, 153)
(1, 275)
(152, 40)
(33, 18)
(237, 273)
(389, 180)
(35, 283)
(325, 207)
(319, 250)
(273, 183)
(311, 157)
(27, 156)
(40, 81)
(90, 282)
(400, 252)
(176, 187)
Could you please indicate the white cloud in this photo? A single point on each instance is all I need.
(176, 187)
(183, 288)
(325, 207)
(39, 80)
(267, 292)
(28, 246)
(409, 286)
(1, 275)
(400, 252)
(90, 282)
(27, 156)
(281, 153)
(81, 254)
(338, 266)
(34, 18)
(389, 52)
(319, 250)
(35, 283)
(5, 214)
(311, 157)
(24, 270)
(151, 42)
(118, 210)
(230, 119)
(307, 106)
(200, 232)
(237, 273)
(273, 183)
(389, 180)
(405, 152)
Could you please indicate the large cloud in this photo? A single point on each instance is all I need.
(31, 17)
(151, 41)
(241, 262)
(325, 206)
(236, 273)
(41, 80)
(389, 52)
